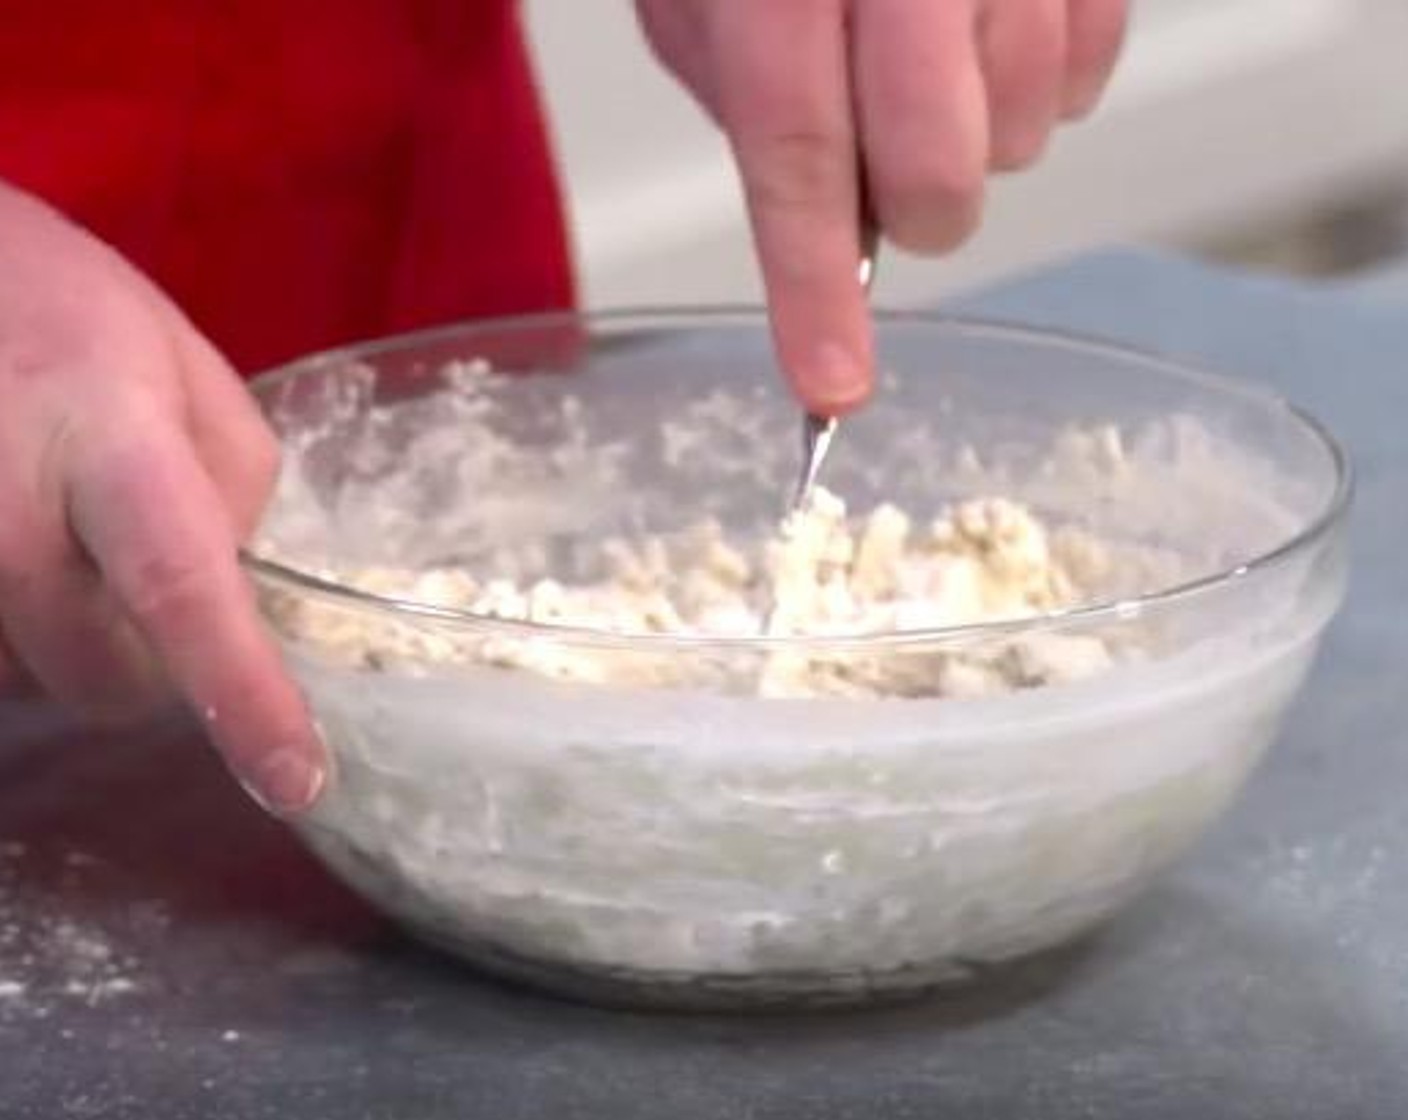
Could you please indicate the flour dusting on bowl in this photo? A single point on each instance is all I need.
(598, 725)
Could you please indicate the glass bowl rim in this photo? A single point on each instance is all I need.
(1306, 537)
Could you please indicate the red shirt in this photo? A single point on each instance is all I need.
(296, 173)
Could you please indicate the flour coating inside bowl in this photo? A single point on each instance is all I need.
(819, 573)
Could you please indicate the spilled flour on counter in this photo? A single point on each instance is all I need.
(823, 575)
(51, 960)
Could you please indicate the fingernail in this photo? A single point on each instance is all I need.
(286, 781)
(836, 379)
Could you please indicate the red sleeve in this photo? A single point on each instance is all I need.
(297, 174)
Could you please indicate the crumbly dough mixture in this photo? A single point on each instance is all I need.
(823, 575)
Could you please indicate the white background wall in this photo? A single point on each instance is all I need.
(1222, 109)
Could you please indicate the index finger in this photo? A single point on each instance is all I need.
(154, 524)
(1096, 31)
(783, 83)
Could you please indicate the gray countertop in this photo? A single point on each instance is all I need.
(165, 952)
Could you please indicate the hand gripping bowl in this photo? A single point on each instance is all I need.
(665, 835)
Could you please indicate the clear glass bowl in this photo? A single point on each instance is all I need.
(667, 836)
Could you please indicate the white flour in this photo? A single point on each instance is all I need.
(508, 500)
(823, 575)
(50, 959)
